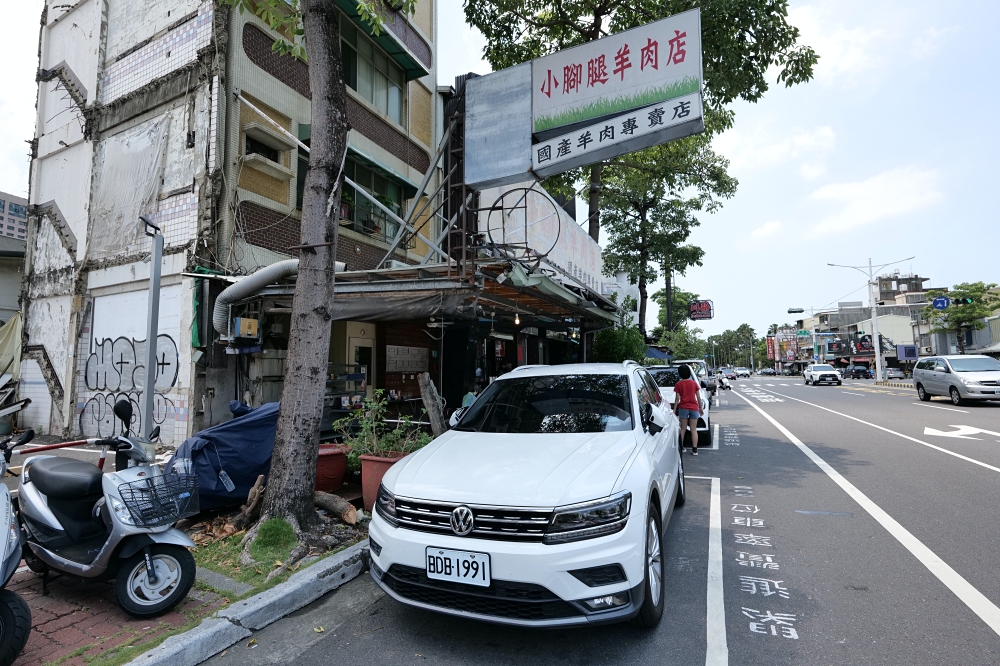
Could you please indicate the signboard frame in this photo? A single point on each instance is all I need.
(697, 310)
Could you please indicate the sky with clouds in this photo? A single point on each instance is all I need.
(891, 151)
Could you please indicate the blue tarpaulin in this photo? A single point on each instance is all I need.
(242, 447)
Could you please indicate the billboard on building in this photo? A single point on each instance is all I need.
(650, 64)
(586, 104)
(770, 348)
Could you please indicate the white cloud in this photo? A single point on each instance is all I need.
(888, 194)
(766, 229)
(765, 148)
(930, 41)
(843, 51)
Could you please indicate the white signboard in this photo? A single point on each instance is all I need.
(406, 359)
(652, 63)
(634, 130)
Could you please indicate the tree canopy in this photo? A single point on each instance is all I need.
(971, 304)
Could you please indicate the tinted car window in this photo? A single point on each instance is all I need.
(654, 390)
(666, 377)
(820, 368)
(552, 404)
(974, 364)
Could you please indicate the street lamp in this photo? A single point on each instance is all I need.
(870, 272)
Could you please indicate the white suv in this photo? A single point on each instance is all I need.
(544, 506)
(822, 373)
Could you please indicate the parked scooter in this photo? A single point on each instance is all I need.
(77, 520)
(15, 616)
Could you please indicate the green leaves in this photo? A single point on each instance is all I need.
(971, 304)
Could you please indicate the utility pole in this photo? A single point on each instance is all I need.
(152, 326)
(870, 272)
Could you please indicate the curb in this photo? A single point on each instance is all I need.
(237, 622)
(894, 384)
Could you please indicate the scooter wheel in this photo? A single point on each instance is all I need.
(175, 571)
(15, 625)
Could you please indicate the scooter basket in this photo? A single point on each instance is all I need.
(162, 499)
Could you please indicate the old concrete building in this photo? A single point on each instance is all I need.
(157, 109)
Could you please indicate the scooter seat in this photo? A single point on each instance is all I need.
(66, 478)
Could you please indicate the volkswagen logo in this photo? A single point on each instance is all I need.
(461, 520)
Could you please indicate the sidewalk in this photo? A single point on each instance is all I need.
(80, 623)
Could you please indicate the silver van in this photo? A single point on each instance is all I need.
(969, 377)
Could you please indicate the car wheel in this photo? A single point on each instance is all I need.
(652, 604)
(922, 394)
(807, 382)
(706, 438)
(681, 484)
(840, 383)
(956, 397)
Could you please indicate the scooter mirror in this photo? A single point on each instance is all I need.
(155, 434)
(123, 410)
(26, 437)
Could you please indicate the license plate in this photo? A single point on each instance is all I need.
(458, 566)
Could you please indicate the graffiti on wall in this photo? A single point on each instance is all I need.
(116, 369)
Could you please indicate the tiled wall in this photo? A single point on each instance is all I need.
(160, 57)
(32, 385)
(177, 216)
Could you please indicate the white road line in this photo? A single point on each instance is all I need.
(780, 384)
(961, 588)
(715, 435)
(892, 432)
(950, 409)
(854, 394)
(717, 647)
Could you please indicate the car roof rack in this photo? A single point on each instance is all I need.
(629, 362)
(527, 367)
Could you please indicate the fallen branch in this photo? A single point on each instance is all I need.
(337, 506)
(251, 510)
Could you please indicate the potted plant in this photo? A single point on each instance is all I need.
(374, 446)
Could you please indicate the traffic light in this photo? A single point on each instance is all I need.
(961, 301)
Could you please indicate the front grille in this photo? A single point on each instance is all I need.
(500, 523)
(521, 601)
(990, 383)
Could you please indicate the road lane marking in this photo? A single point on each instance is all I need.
(715, 435)
(893, 432)
(963, 432)
(961, 588)
(950, 409)
(853, 394)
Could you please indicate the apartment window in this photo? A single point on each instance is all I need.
(255, 147)
(372, 74)
(360, 214)
(17, 210)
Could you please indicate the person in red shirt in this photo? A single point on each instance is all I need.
(687, 407)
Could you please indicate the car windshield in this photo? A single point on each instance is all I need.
(984, 364)
(666, 377)
(552, 404)
(741, 369)
(818, 368)
(700, 369)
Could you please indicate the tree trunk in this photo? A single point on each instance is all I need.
(642, 305)
(296, 443)
(670, 304)
(432, 404)
(594, 213)
(960, 339)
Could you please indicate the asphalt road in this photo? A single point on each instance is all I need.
(856, 528)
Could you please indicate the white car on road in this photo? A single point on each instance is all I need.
(544, 506)
(822, 373)
(742, 372)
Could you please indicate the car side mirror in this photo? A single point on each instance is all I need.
(456, 416)
(940, 368)
(655, 421)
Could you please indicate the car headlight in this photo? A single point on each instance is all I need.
(385, 504)
(121, 511)
(968, 382)
(590, 519)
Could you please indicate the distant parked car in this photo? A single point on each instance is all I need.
(893, 373)
(729, 374)
(742, 372)
(857, 372)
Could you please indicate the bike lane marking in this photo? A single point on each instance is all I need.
(717, 648)
(975, 600)
(891, 432)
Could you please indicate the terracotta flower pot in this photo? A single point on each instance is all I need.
(373, 468)
(331, 467)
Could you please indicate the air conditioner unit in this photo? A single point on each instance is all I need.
(925, 350)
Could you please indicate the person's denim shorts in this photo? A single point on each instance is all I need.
(688, 413)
